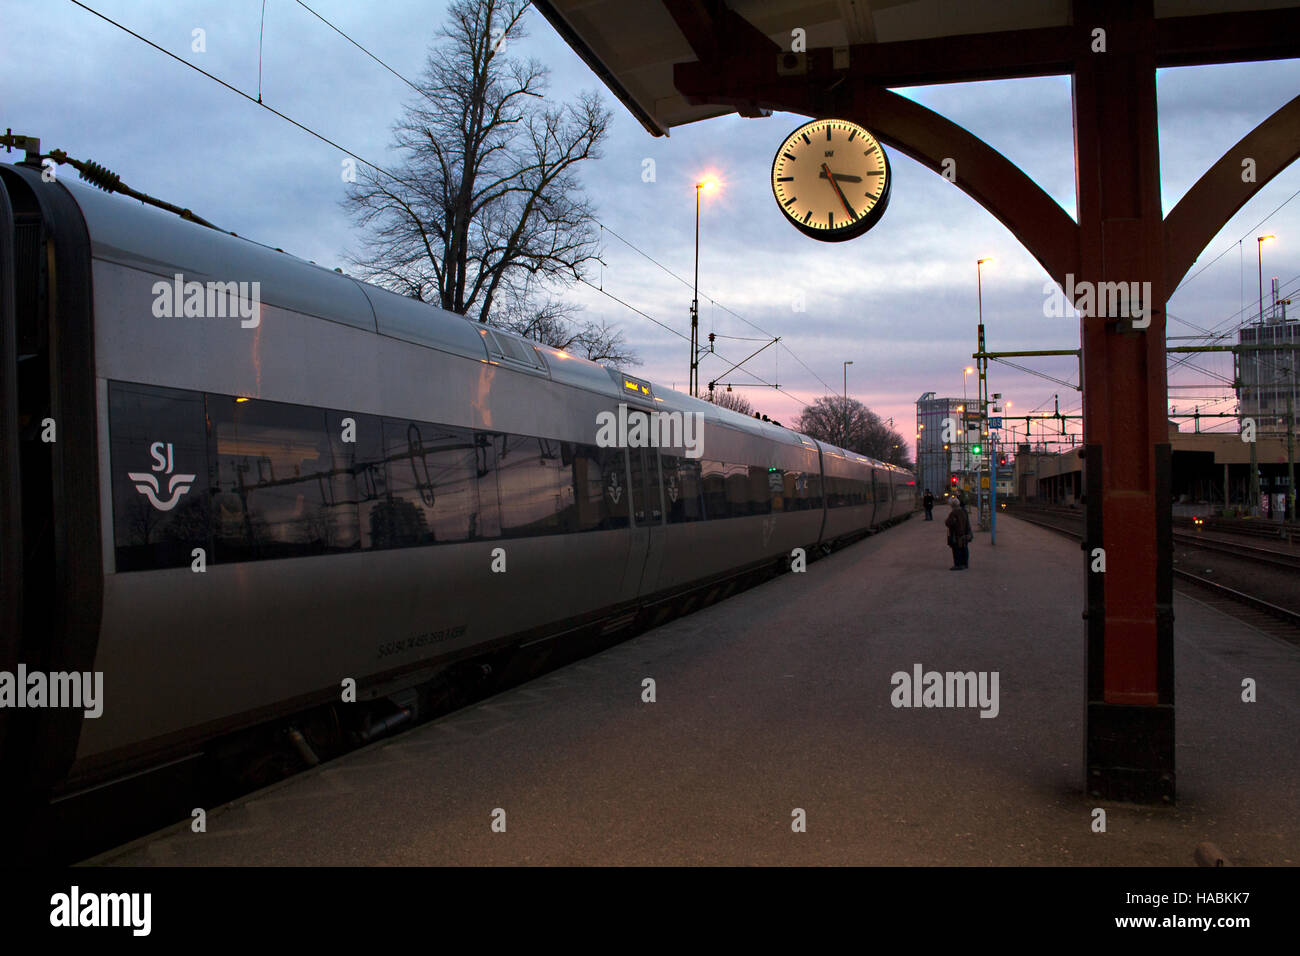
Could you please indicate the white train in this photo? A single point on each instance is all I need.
(373, 488)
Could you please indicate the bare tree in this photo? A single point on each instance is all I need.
(484, 213)
(556, 322)
(737, 403)
(853, 426)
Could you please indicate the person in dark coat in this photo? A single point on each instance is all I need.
(928, 501)
(958, 524)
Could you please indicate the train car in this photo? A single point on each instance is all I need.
(233, 483)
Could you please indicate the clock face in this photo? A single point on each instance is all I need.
(831, 179)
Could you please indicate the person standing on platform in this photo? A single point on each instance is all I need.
(958, 524)
(928, 501)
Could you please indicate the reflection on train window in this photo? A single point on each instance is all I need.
(713, 483)
(359, 482)
(432, 490)
(272, 479)
(793, 490)
(683, 498)
(273, 465)
(645, 487)
(532, 488)
(601, 493)
(844, 492)
(813, 481)
(160, 475)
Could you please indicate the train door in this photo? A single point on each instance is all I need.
(50, 547)
(647, 515)
(879, 492)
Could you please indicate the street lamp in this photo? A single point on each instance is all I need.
(1259, 249)
(845, 433)
(979, 288)
(1254, 460)
(708, 185)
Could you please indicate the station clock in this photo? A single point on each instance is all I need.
(831, 179)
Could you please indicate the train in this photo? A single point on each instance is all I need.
(238, 487)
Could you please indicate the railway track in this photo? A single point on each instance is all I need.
(1266, 616)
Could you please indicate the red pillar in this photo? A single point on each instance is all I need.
(1130, 705)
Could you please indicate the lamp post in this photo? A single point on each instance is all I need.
(693, 387)
(1254, 454)
(965, 443)
(980, 497)
(845, 432)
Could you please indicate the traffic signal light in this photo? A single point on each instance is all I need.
(954, 481)
(976, 450)
(1002, 460)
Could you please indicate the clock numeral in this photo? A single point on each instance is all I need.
(807, 215)
(785, 179)
(828, 134)
(788, 201)
(789, 156)
(852, 133)
(806, 139)
(876, 172)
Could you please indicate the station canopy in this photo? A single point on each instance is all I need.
(633, 45)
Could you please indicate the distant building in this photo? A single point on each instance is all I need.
(935, 463)
(1267, 377)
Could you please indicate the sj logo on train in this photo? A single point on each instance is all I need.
(148, 482)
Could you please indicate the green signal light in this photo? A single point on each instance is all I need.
(976, 450)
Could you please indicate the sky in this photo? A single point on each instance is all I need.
(900, 302)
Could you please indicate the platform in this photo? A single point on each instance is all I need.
(780, 698)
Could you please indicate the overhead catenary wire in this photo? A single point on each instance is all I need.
(388, 173)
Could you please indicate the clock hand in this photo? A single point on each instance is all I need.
(826, 171)
(842, 177)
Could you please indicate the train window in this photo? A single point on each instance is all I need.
(158, 453)
(813, 486)
(637, 460)
(714, 486)
(683, 499)
(361, 475)
(600, 502)
(736, 478)
(760, 490)
(529, 485)
(271, 465)
(432, 488)
(617, 502)
(832, 484)
(340, 486)
(653, 490)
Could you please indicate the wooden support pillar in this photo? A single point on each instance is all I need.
(1129, 745)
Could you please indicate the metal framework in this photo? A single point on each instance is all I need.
(1120, 236)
